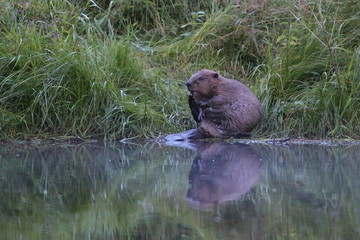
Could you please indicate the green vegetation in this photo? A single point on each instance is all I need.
(116, 69)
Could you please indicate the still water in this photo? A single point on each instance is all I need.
(153, 191)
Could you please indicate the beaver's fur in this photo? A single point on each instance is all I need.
(223, 107)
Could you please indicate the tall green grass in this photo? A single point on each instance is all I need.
(70, 82)
(311, 86)
(116, 69)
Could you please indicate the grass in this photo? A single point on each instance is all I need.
(115, 69)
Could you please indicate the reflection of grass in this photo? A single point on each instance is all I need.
(138, 192)
(96, 191)
(310, 192)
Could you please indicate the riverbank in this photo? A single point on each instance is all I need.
(183, 144)
(117, 70)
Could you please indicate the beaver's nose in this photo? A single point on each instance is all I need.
(188, 84)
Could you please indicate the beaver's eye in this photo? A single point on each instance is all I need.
(201, 78)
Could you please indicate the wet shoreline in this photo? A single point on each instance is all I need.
(266, 141)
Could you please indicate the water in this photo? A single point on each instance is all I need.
(151, 191)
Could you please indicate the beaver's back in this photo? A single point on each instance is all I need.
(234, 109)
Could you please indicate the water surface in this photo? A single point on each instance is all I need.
(152, 191)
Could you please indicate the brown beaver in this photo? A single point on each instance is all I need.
(223, 107)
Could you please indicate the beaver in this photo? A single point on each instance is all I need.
(223, 107)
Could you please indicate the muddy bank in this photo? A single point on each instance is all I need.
(267, 141)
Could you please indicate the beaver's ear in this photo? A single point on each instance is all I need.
(215, 75)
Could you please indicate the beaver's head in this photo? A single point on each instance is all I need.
(203, 84)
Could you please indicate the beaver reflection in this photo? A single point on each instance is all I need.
(221, 172)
